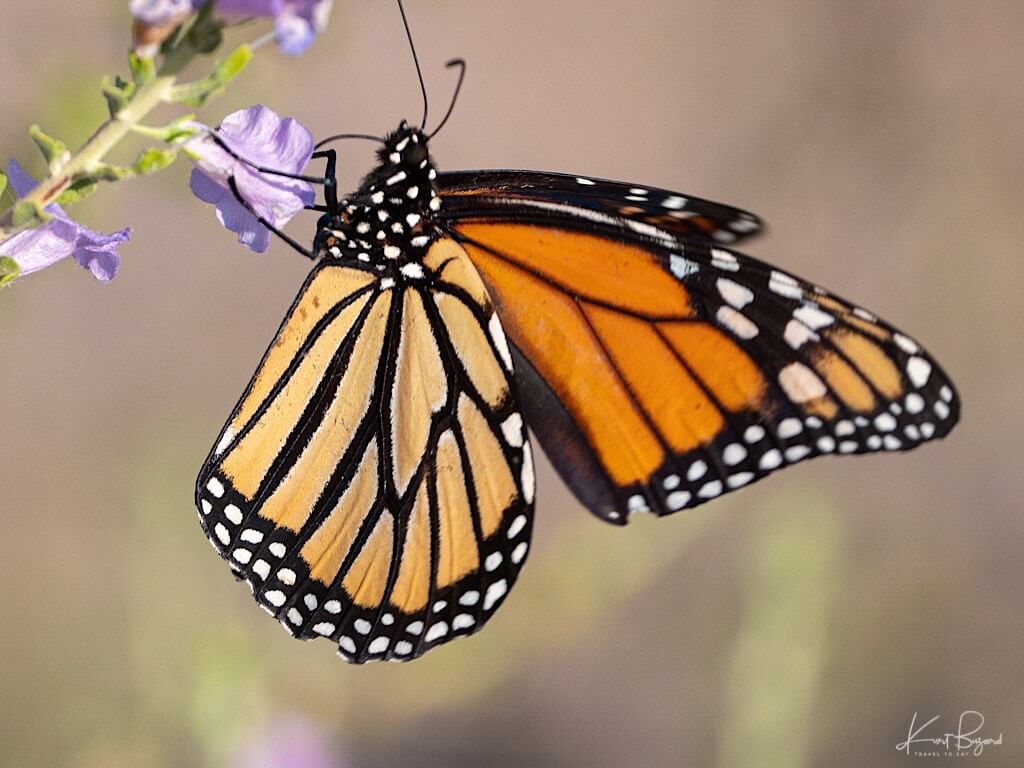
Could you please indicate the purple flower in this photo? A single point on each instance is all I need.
(291, 743)
(262, 138)
(159, 12)
(296, 22)
(60, 237)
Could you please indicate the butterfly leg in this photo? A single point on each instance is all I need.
(245, 204)
(330, 180)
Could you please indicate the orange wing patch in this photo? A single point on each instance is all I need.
(457, 553)
(366, 581)
(682, 413)
(871, 361)
(473, 349)
(327, 547)
(493, 483)
(412, 589)
(844, 380)
(313, 304)
(421, 389)
(549, 328)
(719, 362)
(588, 267)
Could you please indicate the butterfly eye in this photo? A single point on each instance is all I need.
(415, 154)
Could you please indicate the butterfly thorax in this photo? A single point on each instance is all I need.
(387, 222)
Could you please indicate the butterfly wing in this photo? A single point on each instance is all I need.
(374, 485)
(532, 195)
(660, 370)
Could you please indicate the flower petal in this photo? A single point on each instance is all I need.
(294, 34)
(266, 139)
(205, 188)
(293, 145)
(98, 252)
(20, 181)
(289, 742)
(35, 249)
(234, 216)
(155, 12)
(250, 7)
(296, 22)
(277, 202)
(230, 213)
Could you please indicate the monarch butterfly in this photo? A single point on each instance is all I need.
(375, 483)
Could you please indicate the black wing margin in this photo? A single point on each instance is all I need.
(486, 194)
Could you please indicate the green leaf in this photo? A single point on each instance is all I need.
(9, 270)
(232, 65)
(171, 133)
(177, 131)
(196, 94)
(112, 173)
(54, 150)
(193, 94)
(3, 183)
(118, 93)
(77, 190)
(28, 214)
(143, 68)
(154, 159)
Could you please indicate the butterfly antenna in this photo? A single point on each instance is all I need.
(461, 64)
(416, 61)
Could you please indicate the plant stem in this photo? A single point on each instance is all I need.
(90, 156)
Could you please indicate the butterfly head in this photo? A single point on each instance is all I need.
(391, 211)
(405, 146)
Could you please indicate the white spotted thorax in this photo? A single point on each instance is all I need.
(387, 222)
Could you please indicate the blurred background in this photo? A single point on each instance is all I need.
(799, 622)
